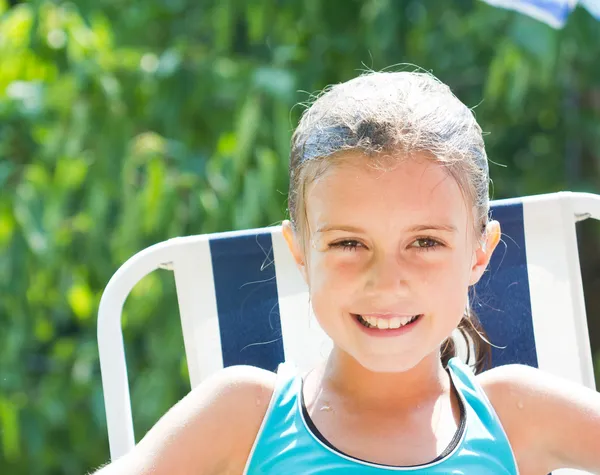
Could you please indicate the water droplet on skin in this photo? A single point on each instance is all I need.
(520, 404)
(325, 408)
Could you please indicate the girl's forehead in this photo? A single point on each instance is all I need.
(415, 188)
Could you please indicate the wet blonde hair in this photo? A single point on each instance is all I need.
(395, 114)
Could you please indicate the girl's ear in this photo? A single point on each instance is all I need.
(295, 247)
(484, 251)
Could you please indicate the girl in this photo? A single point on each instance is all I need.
(389, 227)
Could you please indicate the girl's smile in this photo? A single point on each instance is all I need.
(387, 325)
(384, 321)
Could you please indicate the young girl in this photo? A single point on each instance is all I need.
(389, 227)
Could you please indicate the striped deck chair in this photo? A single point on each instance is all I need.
(242, 301)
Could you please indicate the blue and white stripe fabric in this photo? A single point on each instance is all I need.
(552, 12)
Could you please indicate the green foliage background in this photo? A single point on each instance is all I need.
(126, 122)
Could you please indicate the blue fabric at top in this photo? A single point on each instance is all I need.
(552, 12)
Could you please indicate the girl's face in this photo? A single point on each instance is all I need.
(388, 256)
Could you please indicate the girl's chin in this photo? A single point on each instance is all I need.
(388, 363)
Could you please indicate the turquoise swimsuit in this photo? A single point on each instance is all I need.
(288, 443)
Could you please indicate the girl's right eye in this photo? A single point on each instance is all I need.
(346, 245)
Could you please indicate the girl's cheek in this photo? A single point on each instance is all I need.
(330, 274)
(338, 272)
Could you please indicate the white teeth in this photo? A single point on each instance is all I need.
(396, 322)
(371, 320)
(385, 323)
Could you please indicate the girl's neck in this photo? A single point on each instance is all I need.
(343, 375)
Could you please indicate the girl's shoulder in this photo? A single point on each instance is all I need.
(241, 380)
(241, 390)
(211, 430)
(509, 389)
(240, 397)
(550, 422)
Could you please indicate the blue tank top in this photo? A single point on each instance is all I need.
(286, 444)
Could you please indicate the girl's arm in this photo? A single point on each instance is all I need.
(210, 431)
(552, 423)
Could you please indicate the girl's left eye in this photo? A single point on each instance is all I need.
(426, 244)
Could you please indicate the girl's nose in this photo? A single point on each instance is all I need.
(387, 275)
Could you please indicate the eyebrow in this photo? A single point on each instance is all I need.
(335, 227)
(450, 228)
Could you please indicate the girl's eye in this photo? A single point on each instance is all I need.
(346, 245)
(426, 244)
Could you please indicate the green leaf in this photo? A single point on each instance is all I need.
(81, 300)
(9, 428)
